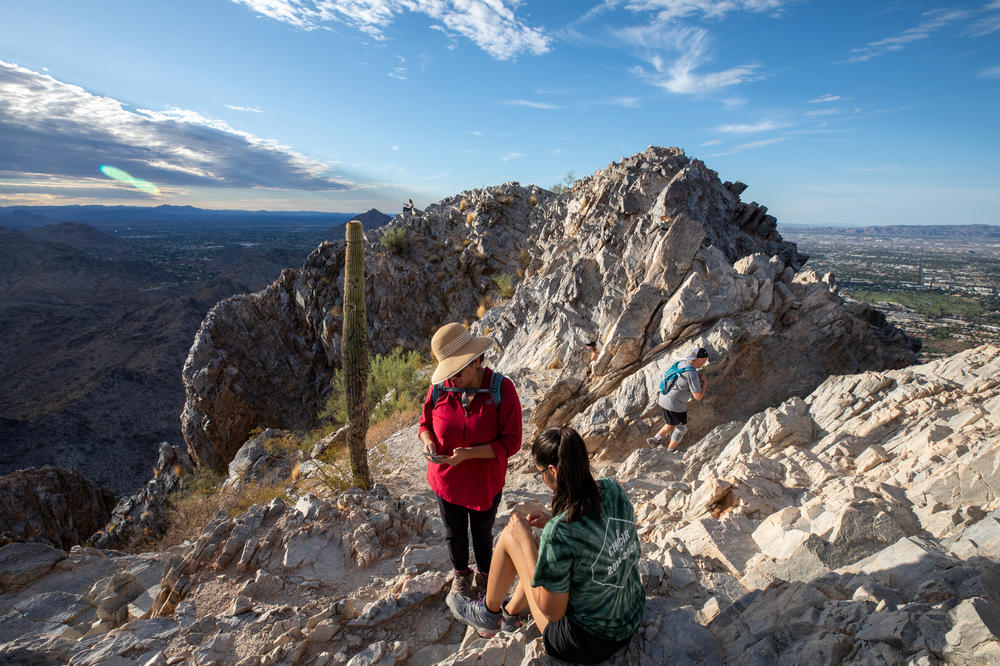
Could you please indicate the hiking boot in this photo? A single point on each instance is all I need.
(652, 442)
(479, 581)
(476, 615)
(461, 584)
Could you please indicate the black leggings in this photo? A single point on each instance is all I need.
(458, 522)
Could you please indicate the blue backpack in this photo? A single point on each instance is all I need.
(671, 375)
(493, 390)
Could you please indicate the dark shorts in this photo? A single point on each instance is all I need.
(564, 640)
(675, 418)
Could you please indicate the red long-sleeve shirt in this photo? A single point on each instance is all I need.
(476, 481)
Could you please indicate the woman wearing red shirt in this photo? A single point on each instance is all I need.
(467, 440)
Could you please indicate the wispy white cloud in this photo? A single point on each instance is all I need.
(666, 10)
(749, 146)
(511, 156)
(986, 25)
(681, 75)
(474, 132)
(764, 126)
(393, 147)
(823, 112)
(532, 104)
(58, 129)
(734, 103)
(711, 142)
(489, 24)
(824, 98)
(934, 20)
(249, 109)
(398, 73)
(990, 73)
(624, 101)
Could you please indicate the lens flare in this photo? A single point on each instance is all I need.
(115, 173)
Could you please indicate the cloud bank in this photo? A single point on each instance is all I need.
(57, 129)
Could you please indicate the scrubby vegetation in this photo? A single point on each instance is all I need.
(396, 240)
(398, 381)
(504, 285)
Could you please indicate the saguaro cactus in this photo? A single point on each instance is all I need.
(354, 351)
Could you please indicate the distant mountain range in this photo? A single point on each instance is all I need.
(937, 231)
(29, 217)
(95, 335)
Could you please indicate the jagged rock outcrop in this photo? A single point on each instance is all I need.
(51, 505)
(857, 525)
(647, 256)
(141, 517)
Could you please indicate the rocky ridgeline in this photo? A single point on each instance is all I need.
(858, 525)
(652, 256)
(51, 505)
(648, 256)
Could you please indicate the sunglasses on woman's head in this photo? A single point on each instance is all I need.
(538, 474)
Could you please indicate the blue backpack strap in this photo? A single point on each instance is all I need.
(435, 392)
(495, 387)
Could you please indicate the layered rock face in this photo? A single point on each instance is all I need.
(649, 256)
(858, 525)
(51, 505)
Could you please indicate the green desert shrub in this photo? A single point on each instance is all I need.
(397, 381)
(504, 284)
(396, 240)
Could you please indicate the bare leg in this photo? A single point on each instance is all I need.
(665, 430)
(516, 553)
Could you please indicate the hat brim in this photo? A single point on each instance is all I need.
(453, 365)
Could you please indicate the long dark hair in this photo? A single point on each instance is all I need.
(576, 491)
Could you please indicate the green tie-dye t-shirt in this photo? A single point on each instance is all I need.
(597, 562)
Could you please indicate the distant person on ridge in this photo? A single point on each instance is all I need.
(681, 382)
(470, 425)
(408, 207)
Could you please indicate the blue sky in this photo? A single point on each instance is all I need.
(848, 113)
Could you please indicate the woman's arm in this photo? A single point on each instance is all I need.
(462, 454)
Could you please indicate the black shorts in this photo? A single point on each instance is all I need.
(675, 418)
(564, 640)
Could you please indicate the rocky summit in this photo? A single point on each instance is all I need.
(648, 257)
(857, 525)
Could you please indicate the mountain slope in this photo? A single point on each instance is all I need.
(648, 256)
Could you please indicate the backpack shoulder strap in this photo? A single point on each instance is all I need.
(435, 392)
(495, 387)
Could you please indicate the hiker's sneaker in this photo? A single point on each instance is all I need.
(479, 581)
(652, 442)
(461, 584)
(477, 615)
(510, 623)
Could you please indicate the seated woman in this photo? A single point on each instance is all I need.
(581, 580)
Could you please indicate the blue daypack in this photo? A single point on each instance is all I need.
(671, 375)
(494, 390)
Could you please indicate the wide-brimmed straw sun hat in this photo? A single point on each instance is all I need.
(454, 347)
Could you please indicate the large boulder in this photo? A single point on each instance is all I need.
(51, 505)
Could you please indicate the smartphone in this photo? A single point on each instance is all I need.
(433, 457)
